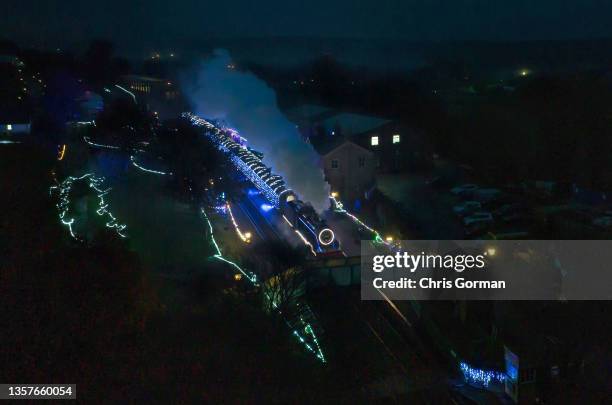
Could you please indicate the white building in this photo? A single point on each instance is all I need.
(14, 128)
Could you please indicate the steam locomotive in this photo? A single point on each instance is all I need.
(304, 219)
(298, 214)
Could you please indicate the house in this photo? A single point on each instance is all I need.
(18, 127)
(350, 170)
(14, 121)
(396, 146)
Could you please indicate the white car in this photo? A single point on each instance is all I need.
(463, 189)
(466, 207)
(478, 218)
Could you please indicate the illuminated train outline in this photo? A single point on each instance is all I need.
(296, 213)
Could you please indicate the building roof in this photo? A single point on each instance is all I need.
(353, 124)
(142, 78)
(306, 112)
(331, 147)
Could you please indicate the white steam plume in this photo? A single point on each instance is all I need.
(247, 104)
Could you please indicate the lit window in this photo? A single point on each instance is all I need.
(396, 138)
(9, 127)
(374, 141)
(361, 161)
(334, 164)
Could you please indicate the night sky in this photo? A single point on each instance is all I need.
(138, 23)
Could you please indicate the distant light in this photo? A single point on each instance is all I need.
(389, 239)
(491, 251)
(374, 141)
(334, 194)
(253, 191)
(237, 276)
(266, 207)
(61, 152)
(396, 138)
(248, 235)
(9, 127)
(524, 72)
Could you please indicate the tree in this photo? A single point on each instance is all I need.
(281, 267)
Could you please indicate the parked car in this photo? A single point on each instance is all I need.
(478, 217)
(464, 189)
(466, 207)
(604, 222)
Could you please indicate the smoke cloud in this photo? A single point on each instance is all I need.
(249, 105)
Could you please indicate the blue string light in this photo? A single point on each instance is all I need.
(249, 164)
(484, 377)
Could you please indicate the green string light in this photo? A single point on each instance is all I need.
(304, 325)
(63, 205)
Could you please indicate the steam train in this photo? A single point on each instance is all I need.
(313, 231)
(303, 218)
